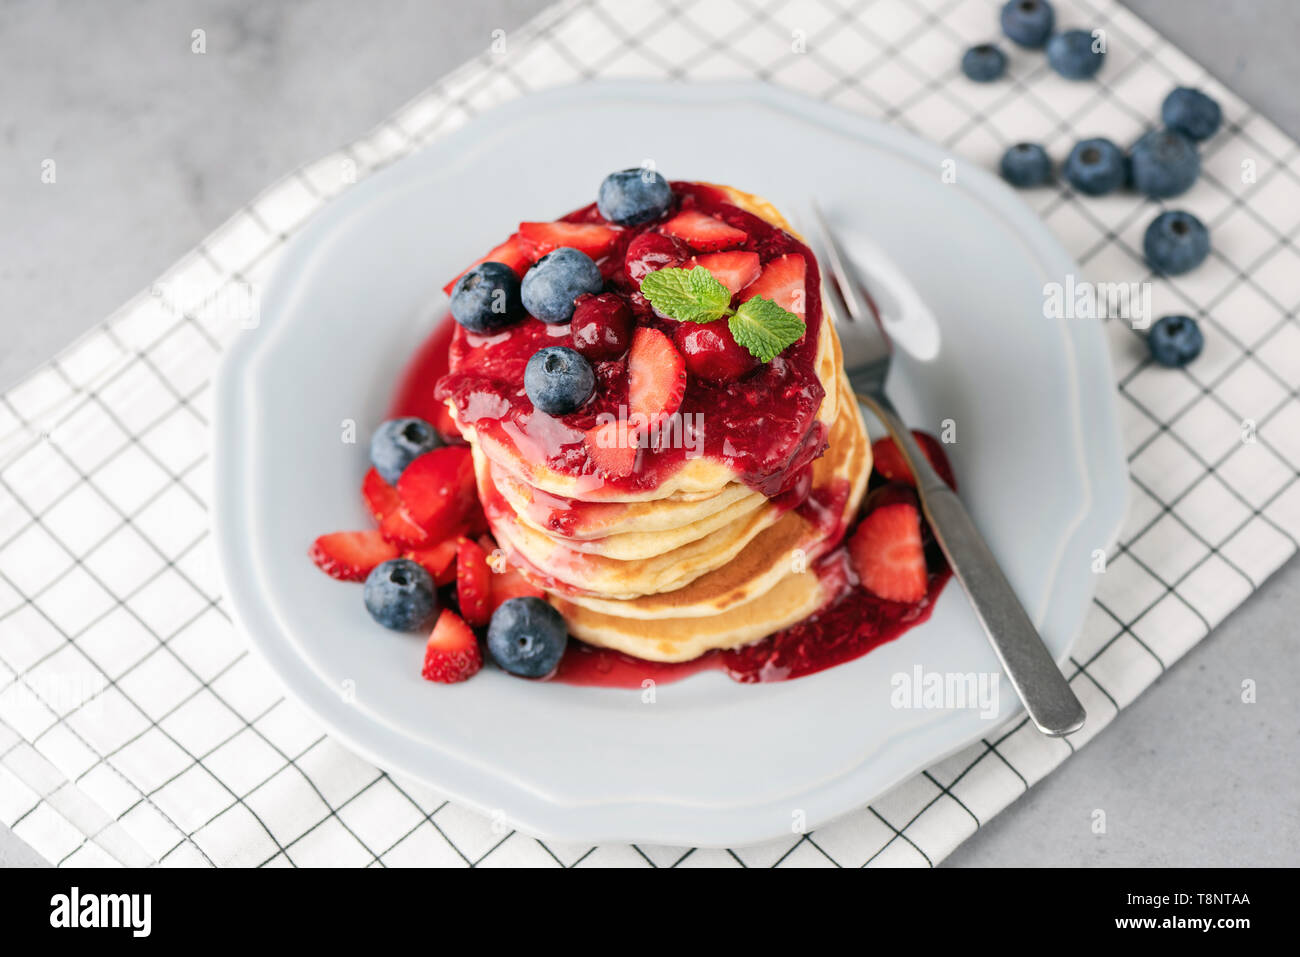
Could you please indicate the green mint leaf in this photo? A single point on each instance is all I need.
(764, 328)
(687, 295)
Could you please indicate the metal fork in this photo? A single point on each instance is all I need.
(1047, 697)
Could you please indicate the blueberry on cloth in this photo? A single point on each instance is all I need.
(1096, 166)
(1164, 163)
(1074, 54)
(1176, 242)
(1191, 113)
(1026, 164)
(1175, 341)
(1028, 22)
(983, 63)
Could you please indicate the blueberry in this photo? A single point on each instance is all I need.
(1026, 164)
(558, 380)
(1176, 242)
(1096, 166)
(633, 196)
(1191, 113)
(1175, 340)
(558, 278)
(526, 637)
(1027, 22)
(983, 63)
(400, 595)
(399, 442)
(486, 298)
(1072, 54)
(1164, 163)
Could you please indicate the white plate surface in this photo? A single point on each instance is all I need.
(709, 762)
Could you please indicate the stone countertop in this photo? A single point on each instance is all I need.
(155, 147)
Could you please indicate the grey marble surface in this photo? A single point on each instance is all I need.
(156, 146)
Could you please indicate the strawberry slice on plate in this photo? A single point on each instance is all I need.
(703, 233)
(782, 281)
(735, 269)
(350, 556)
(656, 375)
(452, 653)
(438, 560)
(473, 582)
(511, 252)
(887, 551)
(437, 491)
(591, 238)
(889, 462)
(380, 497)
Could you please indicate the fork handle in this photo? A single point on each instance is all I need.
(1047, 696)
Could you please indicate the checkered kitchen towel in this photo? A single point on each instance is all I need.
(136, 727)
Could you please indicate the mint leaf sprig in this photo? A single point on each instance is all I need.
(693, 295)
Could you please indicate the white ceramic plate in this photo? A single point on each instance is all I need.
(710, 762)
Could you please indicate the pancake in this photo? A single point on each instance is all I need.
(690, 558)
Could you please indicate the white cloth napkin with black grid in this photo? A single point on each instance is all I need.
(172, 743)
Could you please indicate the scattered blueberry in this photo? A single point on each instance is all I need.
(1164, 163)
(633, 196)
(983, 63)
(526, 637)
(1176, 242)
(558, 278)
(1073, 54)
(558, 380)
(1026, 164)
(1175, 340)
(1191, 113)
(400, 595)
(1096, 166)
(399, 442)
(486, 298)
(1028, 22)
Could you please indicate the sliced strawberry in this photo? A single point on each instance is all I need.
(703, 233)
(398, 528)
(437, 491)
(656, 375)
(511, 252)
(446, 425)
(888, 554)
(782, 281)
(508, 583)
(473, 582)
(889, 462)
(612, 448)
(452, 653)
(380, 497)
(438, 560)
(350, 556)
(592, 238)
(735, 269)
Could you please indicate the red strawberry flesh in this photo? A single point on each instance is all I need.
(350, 556)
(888, 554)
(703, 233)
(452, 653)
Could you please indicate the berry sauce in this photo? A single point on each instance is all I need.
(762, 425)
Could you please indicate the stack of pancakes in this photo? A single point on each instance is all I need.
(700, 562)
